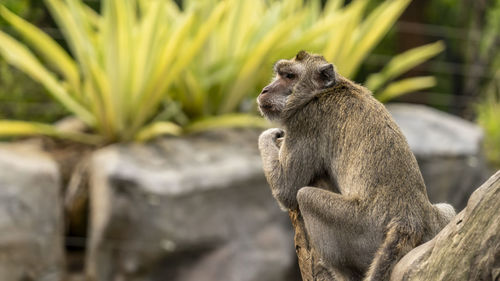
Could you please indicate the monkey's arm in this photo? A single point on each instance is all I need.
(318, 202)
(284, 170)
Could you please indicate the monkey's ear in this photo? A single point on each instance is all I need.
(327, 75)
(301, 55)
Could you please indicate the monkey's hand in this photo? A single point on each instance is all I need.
(271, 137)
(269, 145)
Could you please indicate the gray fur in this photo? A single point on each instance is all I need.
(375, 208)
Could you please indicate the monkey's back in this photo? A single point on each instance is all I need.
(370, 157)
(372, 207)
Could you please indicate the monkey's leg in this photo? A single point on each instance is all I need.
(400, 238)
(339, 231)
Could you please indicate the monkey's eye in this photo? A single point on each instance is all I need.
(289, 75)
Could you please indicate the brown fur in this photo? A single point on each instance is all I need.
(376, 207)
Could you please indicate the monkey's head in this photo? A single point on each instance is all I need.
(300, 77)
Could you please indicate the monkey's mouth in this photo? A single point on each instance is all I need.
(267, 109)
(270, 112)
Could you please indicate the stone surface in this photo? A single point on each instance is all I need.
(467, 249)
(431, 132)
(31, 223)
(182, 209)
(448, 150)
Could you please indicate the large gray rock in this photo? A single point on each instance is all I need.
(31, 223)
(448, 150)
(186, 209)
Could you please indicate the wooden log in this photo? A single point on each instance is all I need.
(468, 248)
(309, 262)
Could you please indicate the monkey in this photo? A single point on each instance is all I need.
(375, 207)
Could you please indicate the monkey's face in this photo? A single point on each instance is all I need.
(272, 99)
(304, 74)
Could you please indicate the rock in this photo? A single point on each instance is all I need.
(431, 132)
(182, 209)
(448, 150)
(468, 248)
(31, 222)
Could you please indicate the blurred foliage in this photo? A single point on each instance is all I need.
(144, 68)
(23, 98)
(467, 72)
(469, 29)
(488, 117)
(22, 8)
(254, 34)
(488, 109)
(126, 59)
(400, 64)
(20, 96)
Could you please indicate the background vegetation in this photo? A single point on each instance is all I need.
(488, 108)
(143, 68)
(21, 97)
(233, 61)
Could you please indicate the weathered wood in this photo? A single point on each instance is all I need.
(468, 248)
(310, 268)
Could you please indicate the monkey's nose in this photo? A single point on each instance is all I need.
(265, 90)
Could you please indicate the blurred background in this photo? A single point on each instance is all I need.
(128, 128)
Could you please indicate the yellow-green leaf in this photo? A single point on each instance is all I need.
(402, 63)
(227, 121)
(371, 32)
(19, 56)
(405, 86)
(21, 128)
(45, 46)
(157, 129)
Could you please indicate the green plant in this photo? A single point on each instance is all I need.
(146, 67)
(252, 35)
(19, 7)
(124, 60)
(400, 64)
(488, 117)
(21, 97)
(488, 109)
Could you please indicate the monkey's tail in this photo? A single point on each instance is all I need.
(399, 240)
